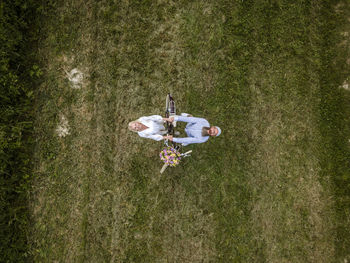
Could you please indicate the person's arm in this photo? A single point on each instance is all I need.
(156, 137)
(186, 114)
(187, 140)
(157, 118)
(190, 119)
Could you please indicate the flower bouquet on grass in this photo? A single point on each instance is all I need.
(170, 156)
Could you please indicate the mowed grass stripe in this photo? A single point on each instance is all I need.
(289, 201)
(334, 118)
(61, 205)
(217, 170)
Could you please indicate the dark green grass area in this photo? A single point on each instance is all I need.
(335, 121)
(19, 72)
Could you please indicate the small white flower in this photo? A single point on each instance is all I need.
(75, 77)
(345, 85)
(63, 127)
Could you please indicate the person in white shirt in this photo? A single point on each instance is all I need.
(149, 127)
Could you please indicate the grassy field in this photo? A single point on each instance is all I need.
(274, 187)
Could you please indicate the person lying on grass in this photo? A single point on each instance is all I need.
(149, 127)
(198, 130)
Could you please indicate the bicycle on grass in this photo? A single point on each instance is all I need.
(170, 110)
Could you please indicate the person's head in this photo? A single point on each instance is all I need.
(211, 131)
(134, 126)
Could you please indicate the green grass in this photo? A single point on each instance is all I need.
(272, 188)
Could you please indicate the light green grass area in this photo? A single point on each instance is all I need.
(274, 187)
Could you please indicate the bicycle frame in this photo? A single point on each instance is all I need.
(170, 110)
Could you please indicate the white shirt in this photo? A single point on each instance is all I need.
(155, 127)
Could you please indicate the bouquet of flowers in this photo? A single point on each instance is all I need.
(170, 156)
